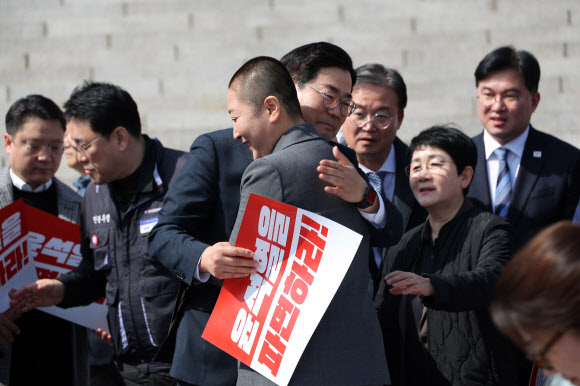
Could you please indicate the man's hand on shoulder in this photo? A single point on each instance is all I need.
(223, 261)
(348, 184)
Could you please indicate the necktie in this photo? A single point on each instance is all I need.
(376, 179)
(375, 260)
(503, 191)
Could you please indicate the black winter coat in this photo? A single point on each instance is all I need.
(464, 347)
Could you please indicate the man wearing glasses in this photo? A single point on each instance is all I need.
(529, 177)
(203, 205)
(380, 95)
(130, 174)
(47, 349)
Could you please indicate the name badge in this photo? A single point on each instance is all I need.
(145, 226)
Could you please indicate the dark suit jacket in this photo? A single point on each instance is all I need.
(546, 189)
(199, 210)
(346, 345)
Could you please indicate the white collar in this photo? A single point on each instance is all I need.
(516, 145)
(389, 166)
(25, 187)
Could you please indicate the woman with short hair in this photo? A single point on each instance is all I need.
(439, 280)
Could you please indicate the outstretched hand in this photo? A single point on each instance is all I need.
(409, 283)
(41, 293)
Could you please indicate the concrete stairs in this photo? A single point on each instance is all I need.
(176, 56)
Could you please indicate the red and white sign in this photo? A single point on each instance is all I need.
(266, 320)
(37, 245)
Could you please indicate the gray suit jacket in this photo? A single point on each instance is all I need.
(68, 203)
(346, 346)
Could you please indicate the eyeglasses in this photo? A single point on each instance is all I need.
(37, 150)
(83, 148)
(489, 99)
(380, 121)
(330, 100)
(540, 358)
(433, 166)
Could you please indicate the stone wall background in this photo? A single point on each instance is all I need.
(176, 57)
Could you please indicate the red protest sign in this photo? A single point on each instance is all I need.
(266, 319)
(37, 245)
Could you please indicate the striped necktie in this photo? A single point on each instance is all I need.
(376, 179)
(503, 191)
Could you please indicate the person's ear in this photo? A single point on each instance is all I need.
(120, 138)
(8, 142)
(400, 117)
(466, 176)
(273, 108)
(535, 101)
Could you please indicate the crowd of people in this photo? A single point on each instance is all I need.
(440, 219)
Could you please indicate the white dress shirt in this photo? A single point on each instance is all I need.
(514, 158)
(22, 185)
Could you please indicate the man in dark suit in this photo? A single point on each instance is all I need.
(343, 348)
(201, 207)
(380, 95)
(543, 172)
(529, 177)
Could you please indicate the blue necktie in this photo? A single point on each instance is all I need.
(503, 191)
(376, 179)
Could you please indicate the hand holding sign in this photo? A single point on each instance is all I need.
(224, 261)
(41, 293)
(267, 318)
(104, 336)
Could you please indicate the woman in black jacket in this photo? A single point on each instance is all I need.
(439, 279)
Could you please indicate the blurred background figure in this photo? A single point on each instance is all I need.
(537, 300)
(70, 156)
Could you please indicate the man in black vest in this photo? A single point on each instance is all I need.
(130, 174)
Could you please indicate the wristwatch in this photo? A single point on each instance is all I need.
(368, 199)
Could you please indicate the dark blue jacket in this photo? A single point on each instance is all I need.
(140, 291)
(199, 210)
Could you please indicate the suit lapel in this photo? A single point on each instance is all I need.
(531, 166)
(479, 189)
(6, 194)
(403, 197)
